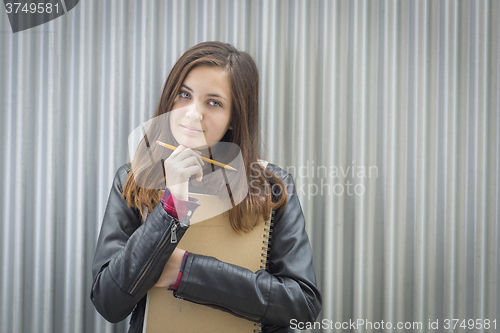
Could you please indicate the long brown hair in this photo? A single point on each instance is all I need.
(244, 82)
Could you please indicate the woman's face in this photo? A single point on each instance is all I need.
(202, 110)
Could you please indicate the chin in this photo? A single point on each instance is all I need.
(192, 146)
(191, 143)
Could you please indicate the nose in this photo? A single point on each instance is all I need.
(193, 113)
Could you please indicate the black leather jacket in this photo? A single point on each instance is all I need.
(130, 257)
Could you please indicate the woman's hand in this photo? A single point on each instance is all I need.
(171, 269)
(179, 167)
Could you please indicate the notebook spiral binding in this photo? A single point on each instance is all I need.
(267, 242)
(266, 252)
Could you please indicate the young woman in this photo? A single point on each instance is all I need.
(210, 96)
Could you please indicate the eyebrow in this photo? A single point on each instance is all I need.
(209, 95)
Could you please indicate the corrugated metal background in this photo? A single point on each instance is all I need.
(386, 113)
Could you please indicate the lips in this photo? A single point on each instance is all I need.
(192, 129)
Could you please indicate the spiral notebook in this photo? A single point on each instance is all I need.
(213, 237)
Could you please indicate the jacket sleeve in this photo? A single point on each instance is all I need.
(286, 291)
(130, 256)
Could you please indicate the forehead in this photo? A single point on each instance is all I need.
(208, 78)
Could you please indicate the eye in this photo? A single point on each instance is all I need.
(215, 103)
(184, 94)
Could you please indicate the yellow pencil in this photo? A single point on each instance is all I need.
(225, 166)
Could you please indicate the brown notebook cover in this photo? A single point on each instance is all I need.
(213, 237)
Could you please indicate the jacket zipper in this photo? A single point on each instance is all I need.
(180, 303)
(173, 239)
